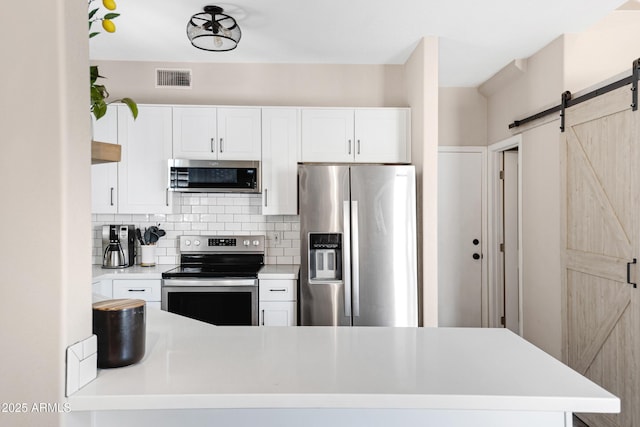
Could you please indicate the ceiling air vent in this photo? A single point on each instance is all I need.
(172, 78)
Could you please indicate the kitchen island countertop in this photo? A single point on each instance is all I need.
(190, 364)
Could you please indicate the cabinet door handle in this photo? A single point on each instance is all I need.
(137, 290)
(349, 145)
(262, 317)
(358, 152)
(167, 196)
(111, 196)
(213, 145)
(277, 290)
(221, 145)
(266, 197)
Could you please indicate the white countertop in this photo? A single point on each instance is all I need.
(136, 271)
(279, 271)
(190, 364)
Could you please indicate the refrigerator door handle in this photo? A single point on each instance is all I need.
(356, 256)
(347, 259)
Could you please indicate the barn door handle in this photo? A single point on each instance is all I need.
(635, 261)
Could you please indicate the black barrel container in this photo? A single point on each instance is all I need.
(120, 327)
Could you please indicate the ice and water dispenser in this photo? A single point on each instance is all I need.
(325, 256)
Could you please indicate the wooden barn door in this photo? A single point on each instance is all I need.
(600, 156)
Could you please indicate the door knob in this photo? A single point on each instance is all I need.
(476, 256)
(476, 242)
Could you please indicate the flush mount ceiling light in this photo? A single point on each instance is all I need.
(213, 30)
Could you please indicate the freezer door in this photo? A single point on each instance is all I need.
(323, 197)
(384, 239)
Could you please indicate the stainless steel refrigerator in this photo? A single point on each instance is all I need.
(358, 245)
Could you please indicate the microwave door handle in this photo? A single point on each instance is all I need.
(347, 259)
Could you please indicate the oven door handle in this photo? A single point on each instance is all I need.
(209, 282)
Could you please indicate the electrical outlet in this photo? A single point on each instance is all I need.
(276, 236)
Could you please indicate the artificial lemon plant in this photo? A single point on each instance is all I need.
(99, 92)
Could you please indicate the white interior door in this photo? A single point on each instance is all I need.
(460, 237)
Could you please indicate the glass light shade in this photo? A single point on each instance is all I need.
(213, 30)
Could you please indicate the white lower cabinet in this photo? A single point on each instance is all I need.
(277, 313)
(103, 288)
(278, 302)
(148, 290)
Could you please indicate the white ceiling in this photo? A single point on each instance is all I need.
(477, 37)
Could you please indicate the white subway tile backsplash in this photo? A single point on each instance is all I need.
(210, 214)
(199, 209)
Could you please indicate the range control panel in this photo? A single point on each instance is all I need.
(215, 244)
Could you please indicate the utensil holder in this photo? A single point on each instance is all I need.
(147, 255)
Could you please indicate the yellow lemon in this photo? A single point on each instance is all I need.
(109, 4)
(108, 25)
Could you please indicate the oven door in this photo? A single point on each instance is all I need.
(230, 302)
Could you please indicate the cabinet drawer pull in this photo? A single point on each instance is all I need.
(137, 290)
(277, 290)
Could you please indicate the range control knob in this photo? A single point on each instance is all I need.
(246, 243)
(187, 242)
(196, 242)
(256, 242)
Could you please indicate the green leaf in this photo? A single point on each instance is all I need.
(132, 106)
(111, 16)
(99, 108)
(93, 73)
(93, 34)
(93, 12)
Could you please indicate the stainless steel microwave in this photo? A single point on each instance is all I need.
(214, 176)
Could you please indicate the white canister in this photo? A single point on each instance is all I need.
(148, 255)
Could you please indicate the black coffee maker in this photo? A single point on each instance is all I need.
(118, 242)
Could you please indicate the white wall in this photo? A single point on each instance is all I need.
(606, 49)
(262, 84)
(462, 116)
(571, 62)
(45, 296)
(421, 71)
(528, 92)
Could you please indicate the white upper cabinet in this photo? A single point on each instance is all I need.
(104, 176)
(280, 138)
(239, 134)
(382, 135)
(212, 133)
(327, 135)
(367, 135)
(194, 133)
(146, 149)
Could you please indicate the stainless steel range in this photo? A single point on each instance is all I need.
(217, 280)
